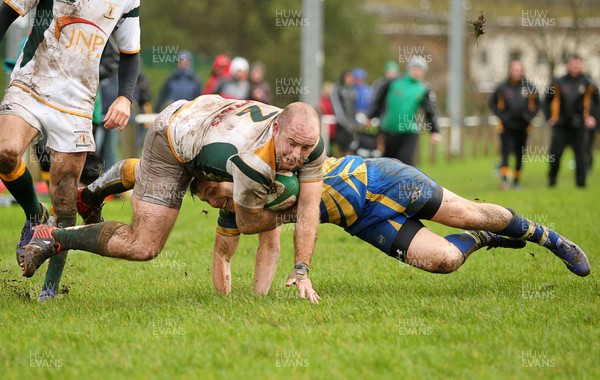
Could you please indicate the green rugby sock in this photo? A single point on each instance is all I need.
(57, 263)
(20, 185)
(91, 238)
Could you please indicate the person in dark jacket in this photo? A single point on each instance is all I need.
(343, 101)
(515, 102)
(570, 100)
(591, 138)
(182, 84)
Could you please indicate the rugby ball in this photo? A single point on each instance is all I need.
(283, 192)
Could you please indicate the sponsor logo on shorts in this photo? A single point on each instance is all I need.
(5, 107)
(82, 139)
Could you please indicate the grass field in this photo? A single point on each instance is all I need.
(505, 314)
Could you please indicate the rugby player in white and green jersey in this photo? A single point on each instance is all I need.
(239, 141)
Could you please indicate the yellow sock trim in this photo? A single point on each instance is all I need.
(18, 172)
(128, 172)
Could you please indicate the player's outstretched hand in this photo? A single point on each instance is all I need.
(118, 114)
(299, 277)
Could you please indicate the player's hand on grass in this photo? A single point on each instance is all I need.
(299, 277)
(118, 114)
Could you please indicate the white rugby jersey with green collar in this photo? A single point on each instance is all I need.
(232, 140)
(59, 62)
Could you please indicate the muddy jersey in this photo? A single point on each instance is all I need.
(59, 63)
(370, 198)
(232, 140)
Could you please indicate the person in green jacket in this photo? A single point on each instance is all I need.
(401, 122)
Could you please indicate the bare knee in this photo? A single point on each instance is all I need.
(447, 262)
(437, 260)
(144, 252)
(9, 159)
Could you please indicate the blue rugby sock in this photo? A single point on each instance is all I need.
(469, 241)
(522, 228)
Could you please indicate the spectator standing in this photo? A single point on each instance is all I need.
(391, 71)
(327, 114)
(219, 72)
(515, 102)
(181, 84)
(362, 90)
(237, 86)
(400, 125)
(343, 101)
(260, 90)
(570, 101)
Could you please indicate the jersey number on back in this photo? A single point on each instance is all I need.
(255, 114)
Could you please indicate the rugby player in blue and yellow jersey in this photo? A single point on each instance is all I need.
(381, 201)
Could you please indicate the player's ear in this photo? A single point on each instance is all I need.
(276, 128)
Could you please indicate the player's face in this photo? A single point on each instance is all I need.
(293, 144)
(217, 194)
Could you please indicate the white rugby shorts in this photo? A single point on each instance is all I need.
(66, 132)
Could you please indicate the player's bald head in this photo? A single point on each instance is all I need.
(296, 132)
(301, 118)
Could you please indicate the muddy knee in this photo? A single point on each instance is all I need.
(9, 161)
(447, 262)
(148, 254)
(440, 261)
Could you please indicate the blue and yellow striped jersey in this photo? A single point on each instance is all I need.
(360, 194)
(344, 190)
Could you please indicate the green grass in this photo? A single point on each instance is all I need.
(505, 314)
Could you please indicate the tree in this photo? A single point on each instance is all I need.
(266, 30)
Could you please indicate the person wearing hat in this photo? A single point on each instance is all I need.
(219, 71)
(401, 123)
(181, 84)
(391, 71)
(237, 86)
